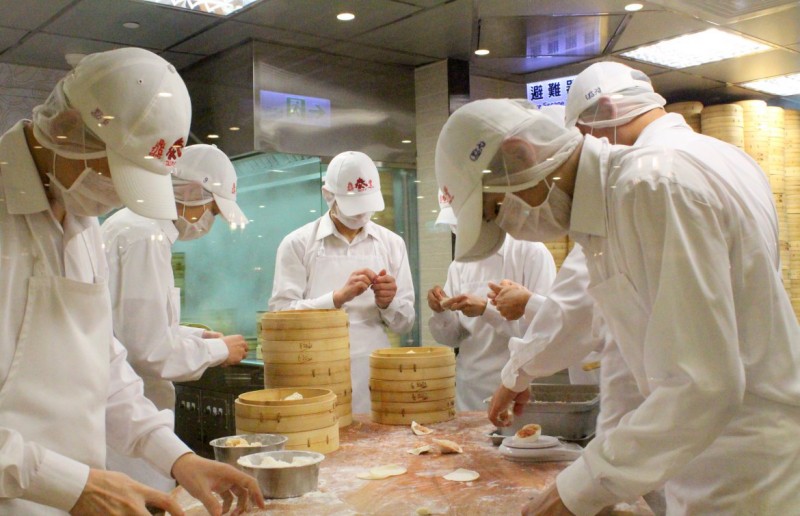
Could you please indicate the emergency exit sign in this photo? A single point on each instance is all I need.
(549, 92)
(295, 109)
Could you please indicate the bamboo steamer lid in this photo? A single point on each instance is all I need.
(414, 358)
(722, 109)
(691, 107)
(409, 373)
(429, 384)
(413, 396)
(751, 105)
(314, 400)
(423, 418)
(413, 407)
(303, 319)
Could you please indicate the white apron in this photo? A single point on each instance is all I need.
(57, 387)
(367, 334)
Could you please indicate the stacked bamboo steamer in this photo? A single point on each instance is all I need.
(412, 384)
(756, 131)
(690, 111)
(559, 249)
(777, 142)
(724, 122)
(310, 423)
(309, 348)
(791, 201)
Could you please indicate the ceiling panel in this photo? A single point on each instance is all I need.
(676, 86)
(748, 68)
(232, 33)
(9, 37)
(522, 65)
(782, 28)
(181, 60)
(547, 7)
(160, 27)
(315, 17)
(47, 50)
(723, 12)
(361, 51)
(445, 31)
(649, 26)
(29, 15)
(576, 68)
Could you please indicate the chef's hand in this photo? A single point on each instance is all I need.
(237, 349)
(501, 400)
(468, 304)
(510, 299)
(358, 283)
(435, 297)
(202, 478)
(210, 334)
(111, 492)
(546, 503)
(385, 288)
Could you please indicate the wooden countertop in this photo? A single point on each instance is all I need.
(502, 488)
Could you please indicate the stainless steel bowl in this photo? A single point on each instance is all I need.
(230, 454)
(284, 482)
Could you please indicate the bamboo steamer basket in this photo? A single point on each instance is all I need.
(423, 418)
(411, 385)
(305, 356)
(413, 396)
(305, 333)
(303, 319)
(414, 407)
(284, 346)
(411, 373)
(691, 107)
(310, 423)
(413, 358)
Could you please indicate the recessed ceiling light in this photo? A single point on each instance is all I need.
(234, 128)
(345, 16)
(632, 8)
(405, 141)
(213, 136)
(783, 85)
(696, 49)
(420, 197)
(131, 25)
(482, 52)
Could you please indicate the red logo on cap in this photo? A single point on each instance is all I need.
(360, 185)
(233, 190)
(100, 116)
(174, 152)
(446, 197)
(158, 149)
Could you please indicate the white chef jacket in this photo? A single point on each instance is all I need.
(296, 259)
(133, 425)
(483, 341)
(682, 253)
(146, 307)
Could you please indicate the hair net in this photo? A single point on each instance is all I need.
(59, 127)
(190, 193)
(528, 155)
(620, 108)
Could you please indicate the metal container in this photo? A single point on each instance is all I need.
(284, 482)
(231, 454)
(568, 412)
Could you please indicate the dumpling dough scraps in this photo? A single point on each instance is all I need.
(381, 472)
(447, 446)
(462, 475)
(419, 429)
(420, 449)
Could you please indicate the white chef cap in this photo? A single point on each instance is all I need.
(625, 92)
(495, 145)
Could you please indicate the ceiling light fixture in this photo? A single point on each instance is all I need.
(405, 141)
(131, 25)
(234, 128)
(783, 85)
(213, 136)
(695, 49)
(632, 8)
(345, 16)
(482, 52)
(218, 7)
(479, 50)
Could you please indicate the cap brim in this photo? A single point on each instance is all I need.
(351, 205)
(144, 192)
(230, 211)
(475, 238)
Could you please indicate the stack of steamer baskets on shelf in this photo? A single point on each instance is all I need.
(412, 384)
(307, 417)
(724, 122)
(690, 111)
(309, 349)
(791, 201)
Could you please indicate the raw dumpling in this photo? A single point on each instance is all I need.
(293, 396)
(419, 429)
(462, 475)
(420, 449)
(448, 446)
(381, 472)
(528, 433)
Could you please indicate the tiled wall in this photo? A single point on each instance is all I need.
(21, 89)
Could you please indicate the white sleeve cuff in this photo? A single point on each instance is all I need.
(218, 351)
(533, 306)
(514, 379)
(324, 301)
(162, 448)
(58, 482)
(582, 495)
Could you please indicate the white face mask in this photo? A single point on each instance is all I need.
(356, 221)
(546, 222)
(91, 195)
(188, 230)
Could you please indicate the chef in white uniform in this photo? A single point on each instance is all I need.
(102, 139)
(344, 260)
(464, 318)
(681, 246)
(146, 304)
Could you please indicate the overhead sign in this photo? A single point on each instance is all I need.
(549, 92)
(295, 109)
